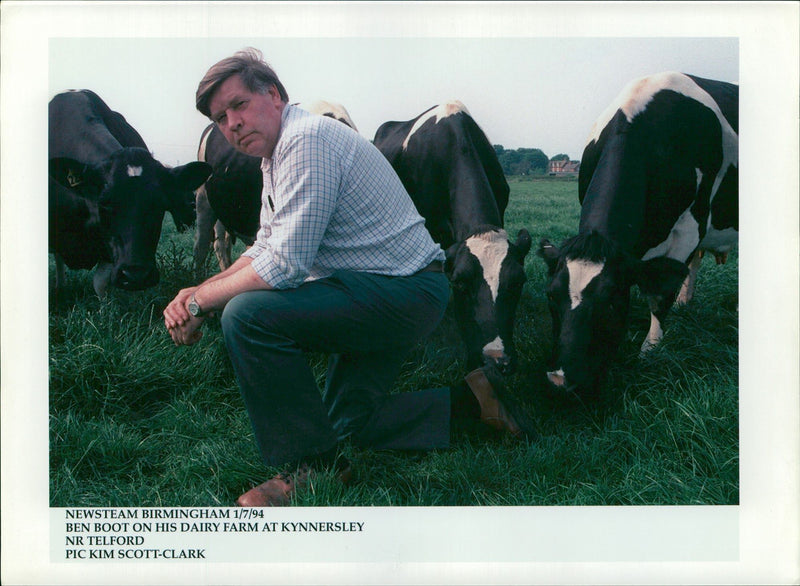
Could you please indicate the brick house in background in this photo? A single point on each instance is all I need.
(563, 167)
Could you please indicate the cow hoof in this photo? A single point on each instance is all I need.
(682, 300)
(647, 346)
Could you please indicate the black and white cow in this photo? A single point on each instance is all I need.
(228, 204)
(108, 195)
(452, 173)
(658, 184)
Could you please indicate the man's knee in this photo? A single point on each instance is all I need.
(238, 313)
(261, 313)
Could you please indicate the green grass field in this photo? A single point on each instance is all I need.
(135, 421)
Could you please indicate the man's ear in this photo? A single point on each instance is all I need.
(549, 253)
(275, 94)
(660, 276)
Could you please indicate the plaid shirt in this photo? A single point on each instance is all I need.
(331, 201)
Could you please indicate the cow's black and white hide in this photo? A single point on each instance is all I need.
(658, 184)
(456, 182)
(108, 195)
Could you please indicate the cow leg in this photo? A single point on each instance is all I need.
(102, 278)
(60, 273)
(205, 229)
(687, 289)
(222, 246)
(653, 336)
(659, 308)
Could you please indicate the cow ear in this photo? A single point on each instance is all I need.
(75, 175)
(450, 259)
(549, 253)
(660, 276)
(182, 209)
(59, 169)
(185, 179)
(191, 176)
(455, 266)
(523, 244)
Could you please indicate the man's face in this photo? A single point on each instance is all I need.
(251, 122)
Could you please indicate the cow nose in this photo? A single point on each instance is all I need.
(501, 362)
(494, 354)
(557, 378)
(561, 386)
(136, 277)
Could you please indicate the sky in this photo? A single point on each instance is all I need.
(524, 92)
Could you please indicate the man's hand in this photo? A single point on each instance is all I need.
(176, 314)
(183, 327)
(217, 291)
(188, 333)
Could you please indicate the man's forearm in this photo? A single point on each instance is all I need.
(240, 262)
(214, 293)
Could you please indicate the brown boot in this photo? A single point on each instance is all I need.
(278, 490)
(493, 412)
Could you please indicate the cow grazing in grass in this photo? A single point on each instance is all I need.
(452, 173)
(228, 204)
(108, 195)
(658, 184)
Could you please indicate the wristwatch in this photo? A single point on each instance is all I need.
(194, 307)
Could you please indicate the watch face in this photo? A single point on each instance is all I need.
(194, 308)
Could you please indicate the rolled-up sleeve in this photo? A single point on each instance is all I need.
(302, 185)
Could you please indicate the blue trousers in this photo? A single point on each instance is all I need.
(366, 324)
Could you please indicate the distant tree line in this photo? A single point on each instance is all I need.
(524, 161)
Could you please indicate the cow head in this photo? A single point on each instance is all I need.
(487, 274)
(135, 191)
(589, 298)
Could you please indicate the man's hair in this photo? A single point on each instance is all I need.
(250, 66)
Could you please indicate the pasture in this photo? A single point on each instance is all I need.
(135, 421)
